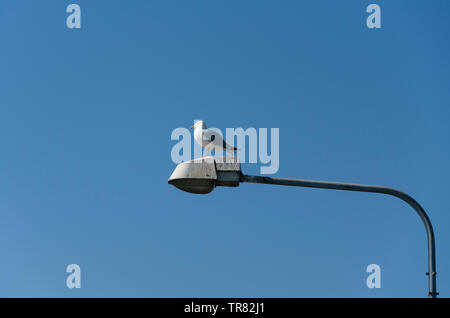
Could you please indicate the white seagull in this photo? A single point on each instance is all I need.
(209, 139)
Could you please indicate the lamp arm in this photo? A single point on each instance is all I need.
(432, 293)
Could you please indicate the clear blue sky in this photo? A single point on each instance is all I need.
(85, 123)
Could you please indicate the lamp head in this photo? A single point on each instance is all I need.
(202, 175)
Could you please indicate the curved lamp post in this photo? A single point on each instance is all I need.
(204, 174)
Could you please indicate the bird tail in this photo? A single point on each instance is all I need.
(228, 147)
(231, 150)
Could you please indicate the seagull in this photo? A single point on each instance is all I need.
(210, 139)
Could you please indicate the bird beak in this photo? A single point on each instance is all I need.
(192, 127)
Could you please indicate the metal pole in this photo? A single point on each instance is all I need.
(367, 188)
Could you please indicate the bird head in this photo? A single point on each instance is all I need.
(200, 124)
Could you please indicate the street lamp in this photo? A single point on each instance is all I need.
(204, 174)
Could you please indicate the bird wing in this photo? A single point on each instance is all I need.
(221, 144)
(210, 136)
